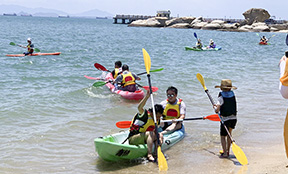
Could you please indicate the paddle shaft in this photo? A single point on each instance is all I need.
(185, 119)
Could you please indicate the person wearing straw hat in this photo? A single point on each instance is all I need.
(227, 106)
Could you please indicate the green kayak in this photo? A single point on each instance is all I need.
(110, 148)
(203, 49)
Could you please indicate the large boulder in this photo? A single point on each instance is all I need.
(260, 26)
(173, 21)
(180, 25)
(198, 25)
(150, 22)
(256, 15)
(212, 26)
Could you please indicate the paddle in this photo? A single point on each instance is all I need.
(102, 68)
(239, 154)
(287, 40)
(195, 35)
(13, 44)
(126, 124)
(162, 163)
(92, 78)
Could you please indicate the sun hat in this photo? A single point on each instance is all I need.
(29, 39)
(226, 84)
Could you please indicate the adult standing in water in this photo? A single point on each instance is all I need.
(30, 47)
(283, 87)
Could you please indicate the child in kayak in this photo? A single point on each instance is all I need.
(143, 126)
(227, 107)
(211, 44)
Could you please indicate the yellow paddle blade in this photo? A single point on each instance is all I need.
(147, 60)
(162, 163)
(201, 80)
(239, 154)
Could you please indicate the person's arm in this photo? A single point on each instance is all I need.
(143, 102)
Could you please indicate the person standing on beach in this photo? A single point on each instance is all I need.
(174, 108)
(283, 88)
(227, 107)
(30, 47)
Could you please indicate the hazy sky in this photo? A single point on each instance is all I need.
(205, 8)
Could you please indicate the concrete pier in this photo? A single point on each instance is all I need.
(127, 19)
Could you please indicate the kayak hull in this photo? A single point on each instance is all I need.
(263, 43)
(110, 148)
(203, 49)
(34, 54)
(137, 95)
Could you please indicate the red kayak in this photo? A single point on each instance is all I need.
(34, 54)
(263, 43)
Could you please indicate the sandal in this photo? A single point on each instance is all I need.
(150, 158)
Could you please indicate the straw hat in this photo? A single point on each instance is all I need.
(226, 84)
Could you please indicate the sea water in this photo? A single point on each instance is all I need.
(50, 113)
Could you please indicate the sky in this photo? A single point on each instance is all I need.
(178, 8)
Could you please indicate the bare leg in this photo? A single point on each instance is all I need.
(229, 141)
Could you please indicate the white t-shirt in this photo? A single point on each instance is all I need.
(283, 89)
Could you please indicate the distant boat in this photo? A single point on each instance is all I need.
(26, 15)
(64, 16)
(101, 17)
(9, 14)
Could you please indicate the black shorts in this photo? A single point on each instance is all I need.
(228, 124)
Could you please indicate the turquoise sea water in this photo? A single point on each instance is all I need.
(50, 114)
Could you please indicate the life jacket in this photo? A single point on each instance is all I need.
(30, 48)
(142, 124)
(116, 73)
(284, 78)
(229, 106)
(128, 79)
(172, 111)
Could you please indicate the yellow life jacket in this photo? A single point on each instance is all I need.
(29, 48)
(284, 78)
(128, 79)
(148, 124)
(172, 111)
(116, 73)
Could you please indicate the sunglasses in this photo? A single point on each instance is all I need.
(170, 95)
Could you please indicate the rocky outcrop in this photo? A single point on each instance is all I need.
(254, 18)
(151, 22)
(255, 15)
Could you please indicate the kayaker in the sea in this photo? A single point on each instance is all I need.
(143, 126)
(227, 106)
(174, 108)
(264, 39)
(30, 47)
(126, 80)
(199, 44)
(211, 44)
(117, 69)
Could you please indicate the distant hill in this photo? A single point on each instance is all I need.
(44, 12)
